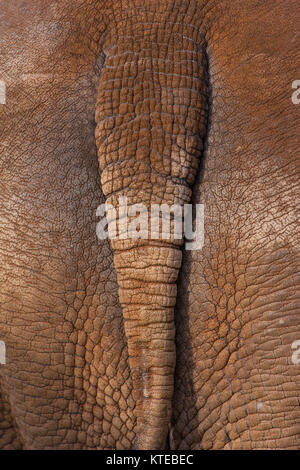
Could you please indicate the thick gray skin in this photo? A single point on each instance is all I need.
(67, 382)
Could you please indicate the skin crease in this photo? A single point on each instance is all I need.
(69, 381)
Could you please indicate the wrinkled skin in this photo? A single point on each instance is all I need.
(74, 377)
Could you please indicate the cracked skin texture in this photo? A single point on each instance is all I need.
(81, 368)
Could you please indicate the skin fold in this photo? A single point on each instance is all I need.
(135, 344)
(149, 154)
